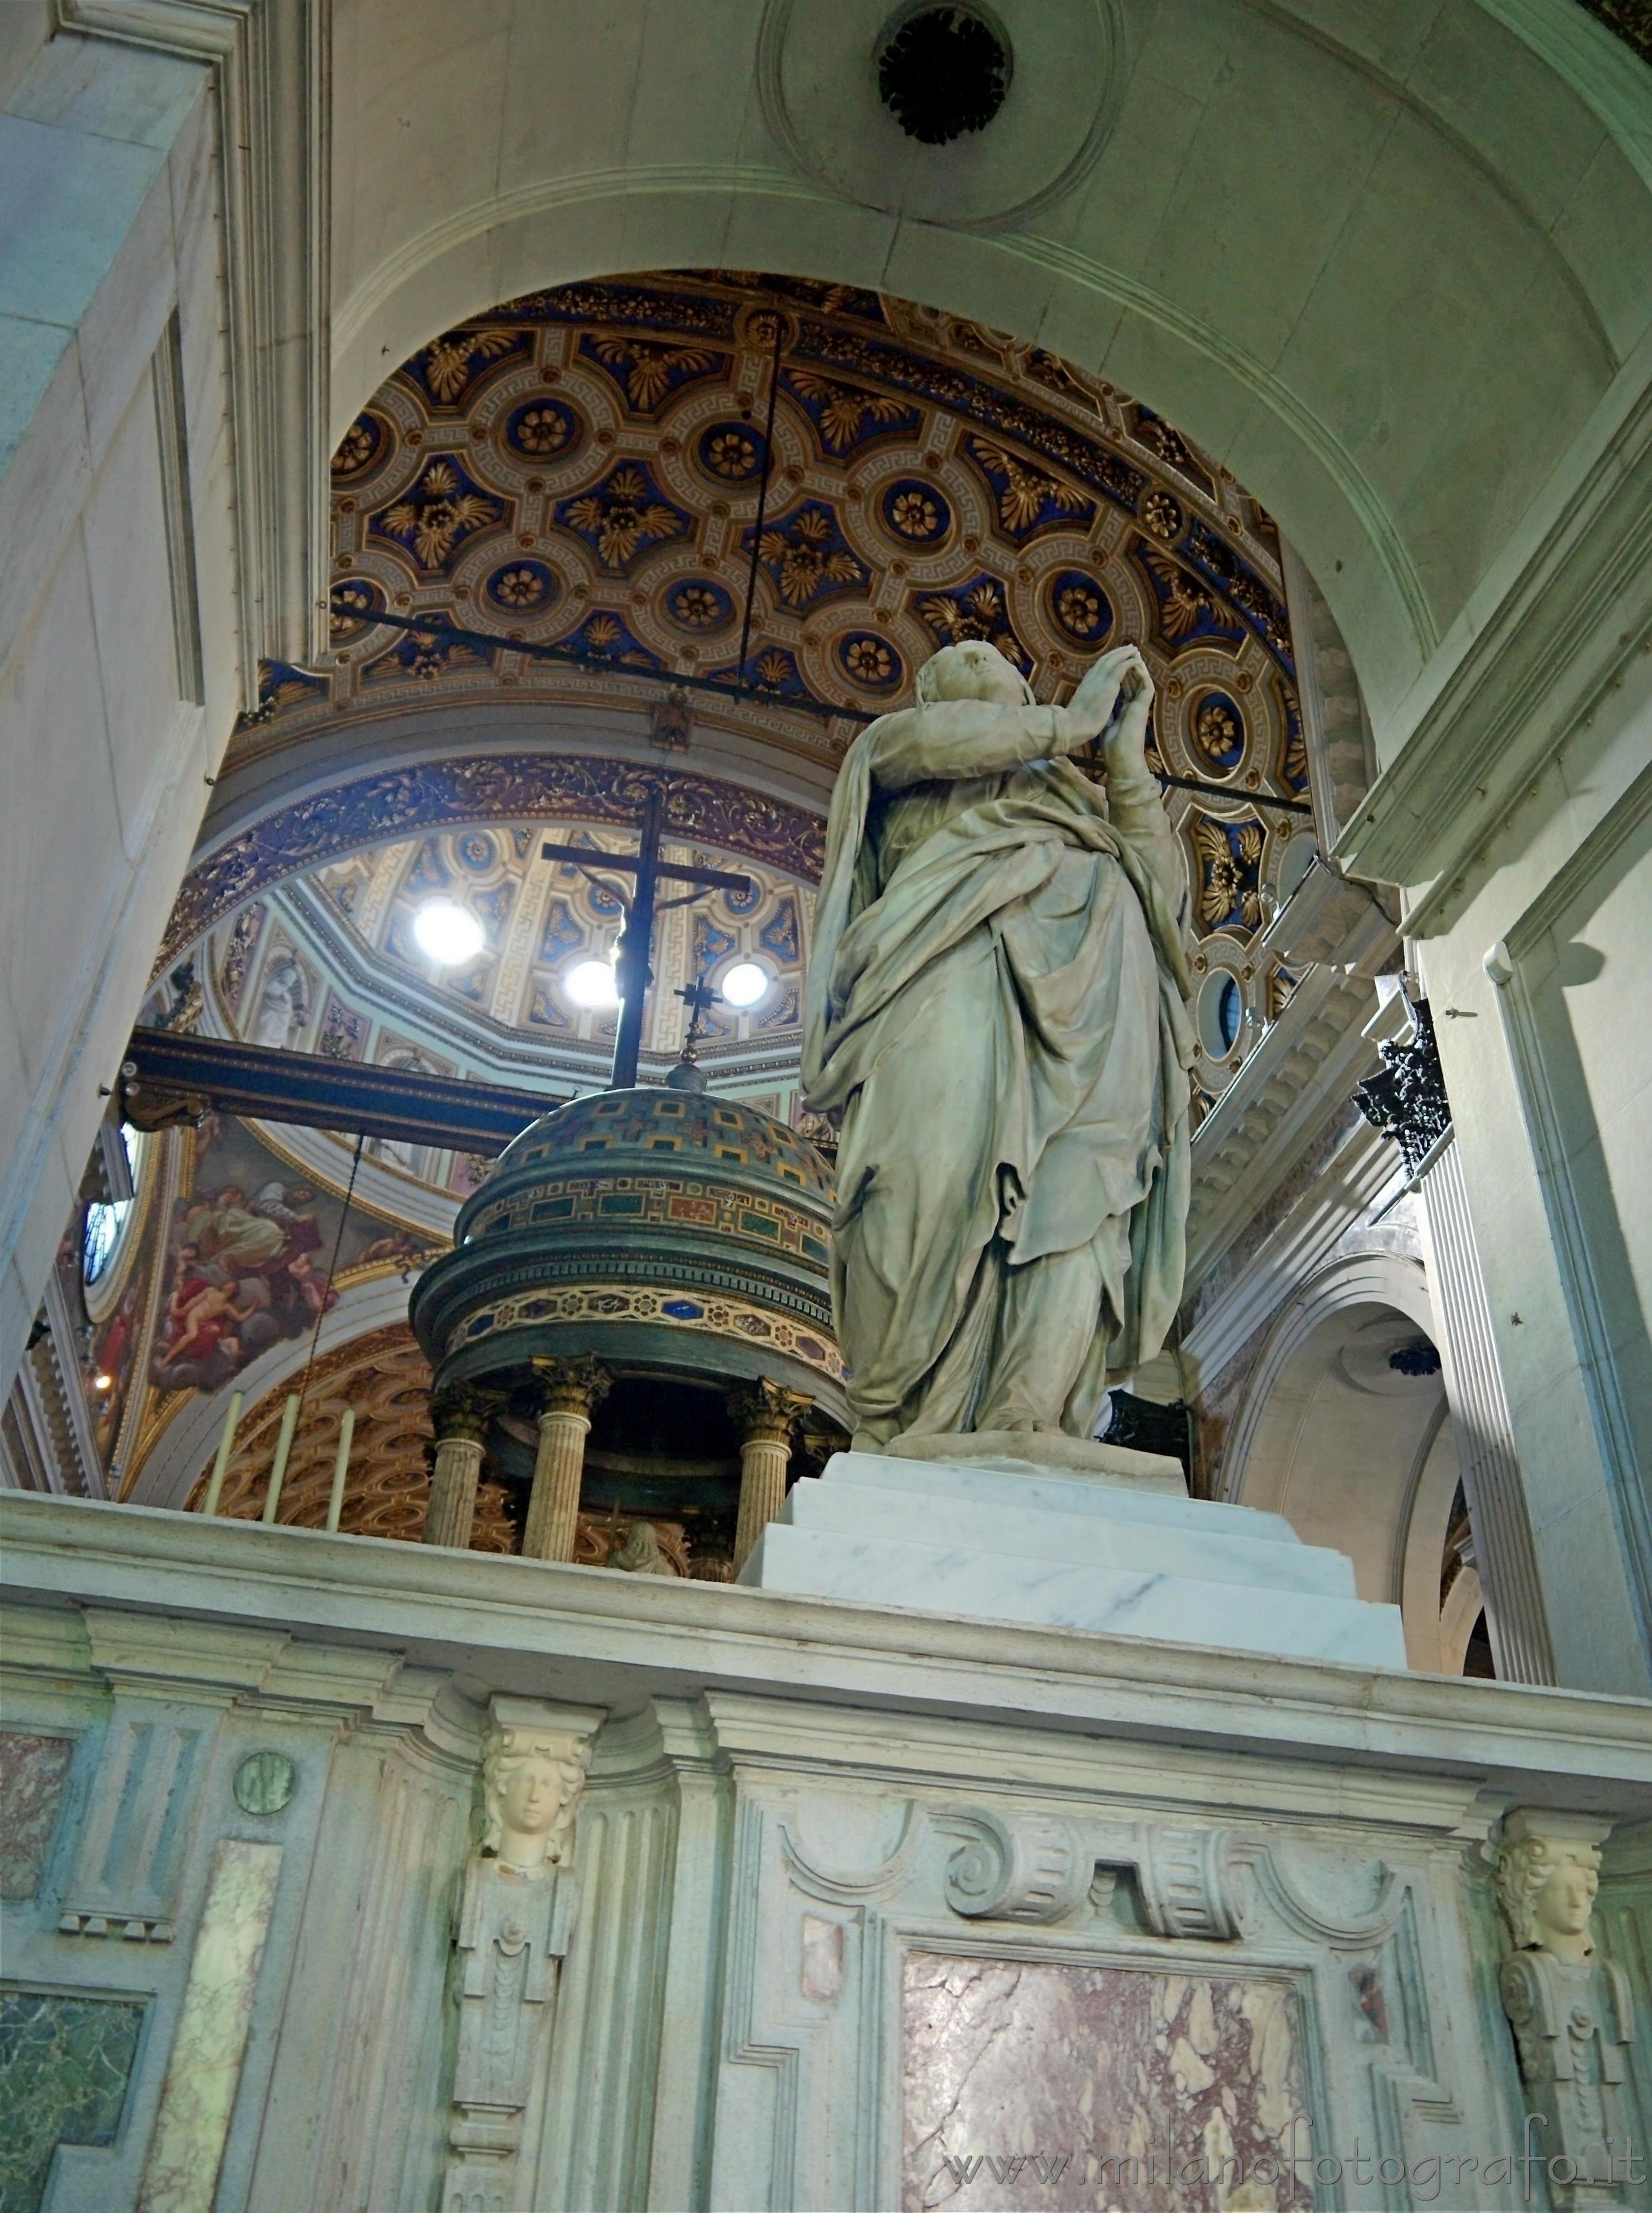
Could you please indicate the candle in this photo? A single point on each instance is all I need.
(284, 1446)
(340, 1468)
(226, 1445)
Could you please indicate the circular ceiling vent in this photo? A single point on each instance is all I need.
(943, 72)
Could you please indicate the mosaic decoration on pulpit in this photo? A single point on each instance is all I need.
(581, 467)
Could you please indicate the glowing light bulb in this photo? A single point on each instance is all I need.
(591, 983)
(448, 933)
(745, 984)
(103, 1382)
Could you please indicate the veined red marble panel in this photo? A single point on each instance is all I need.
(32, 1771)
(1082, 2089)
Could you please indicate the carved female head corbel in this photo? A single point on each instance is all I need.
(1546, 1883)
(531, 1778)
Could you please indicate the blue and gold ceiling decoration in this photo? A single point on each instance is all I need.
(581, 467)
(589, 469)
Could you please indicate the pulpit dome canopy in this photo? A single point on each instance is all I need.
(671, 1232)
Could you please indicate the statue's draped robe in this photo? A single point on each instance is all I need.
(996, 1012)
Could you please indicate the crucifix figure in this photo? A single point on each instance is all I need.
(699, 999)
(633, 966)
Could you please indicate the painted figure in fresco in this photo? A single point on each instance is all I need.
(997, 1020)
(244, 1277)
(227, 1233)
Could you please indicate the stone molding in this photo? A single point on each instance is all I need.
(467, 1608)
(268, 61)
(1350, 1280)
(1344, 1193)
(1039, 1868)
(1543, 641)
(1297, 1077)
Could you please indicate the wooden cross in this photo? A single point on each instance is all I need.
(633, 970)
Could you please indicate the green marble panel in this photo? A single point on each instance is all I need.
(64, 2066)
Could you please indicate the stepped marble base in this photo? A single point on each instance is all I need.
(1003, 1538)
(1045, 1450)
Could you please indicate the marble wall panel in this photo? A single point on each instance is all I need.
(32, 1772)
(1046, 2078)
(64, 2066)
(204, 2071)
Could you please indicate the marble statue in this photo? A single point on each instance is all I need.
(1571, 2011)
(641, 1553)
(997, 1020)
(283, 1004)
(516, 1917)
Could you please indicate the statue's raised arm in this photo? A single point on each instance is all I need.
(996, 1016)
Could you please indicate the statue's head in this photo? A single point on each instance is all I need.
(1547, 1886)
(972, 669)
(531, 1781)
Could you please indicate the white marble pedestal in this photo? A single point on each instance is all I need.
(1125, 1552)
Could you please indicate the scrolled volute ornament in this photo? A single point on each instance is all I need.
(1028, 1868)
(1186, 1883)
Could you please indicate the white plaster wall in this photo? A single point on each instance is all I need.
(108, 176)
(1555, 1152)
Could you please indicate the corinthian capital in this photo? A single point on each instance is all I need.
(460, 1410)
(766, 1413)
(572, 1387)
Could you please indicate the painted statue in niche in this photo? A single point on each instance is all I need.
(516, 1917)
(283, 1005)
(1571, 2011)
(1079, 2089)
(996, 1019)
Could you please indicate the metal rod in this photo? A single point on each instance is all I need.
(762, 502)
(340, 1469)
(226, 1445)
(1227, 791)
(492, 641)
(738, 692)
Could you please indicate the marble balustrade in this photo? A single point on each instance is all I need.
(860, 1907)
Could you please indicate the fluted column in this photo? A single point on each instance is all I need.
(765, 1416)
(572, 1389)
(1504, 1552)
(459, 1417)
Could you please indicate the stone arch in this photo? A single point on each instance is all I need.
(1355, 1453)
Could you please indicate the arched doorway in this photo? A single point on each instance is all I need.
(1346, 1431)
